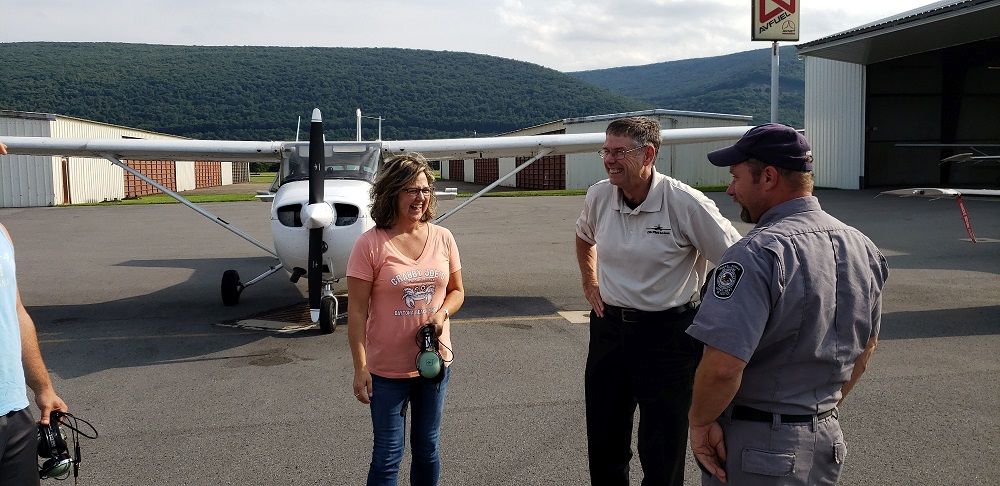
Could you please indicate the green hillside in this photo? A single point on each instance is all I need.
(258, 92)
(736, 83)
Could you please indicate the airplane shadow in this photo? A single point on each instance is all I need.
(176, 323)
(970, 321)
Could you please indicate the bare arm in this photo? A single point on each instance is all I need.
(586, 257)
(360, 292)
(453, 301)
(860, 365)
(715, 384)
(36, 375)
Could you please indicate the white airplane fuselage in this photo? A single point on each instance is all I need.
(350, 200)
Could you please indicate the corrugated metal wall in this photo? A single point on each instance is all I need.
(39, 181)
(95, 180)
(690, 161)
(27, 181)
(835, 121)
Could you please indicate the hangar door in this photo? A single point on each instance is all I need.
(162, 171)
(487, 171)
(947, 96)
(549, 172)
(456, 170)
(207, 174)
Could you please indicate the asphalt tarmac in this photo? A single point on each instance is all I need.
(127, 304)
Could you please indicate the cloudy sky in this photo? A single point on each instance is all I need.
(560, 34)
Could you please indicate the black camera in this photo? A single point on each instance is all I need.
(53, 448)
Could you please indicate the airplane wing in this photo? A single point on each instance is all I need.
(490, 147)
(937, 193)
(139, 149)
(260, 151)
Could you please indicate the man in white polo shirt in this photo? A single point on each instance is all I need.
(642, 241)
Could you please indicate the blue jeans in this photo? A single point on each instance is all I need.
(388, 405)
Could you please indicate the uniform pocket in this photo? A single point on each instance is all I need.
(839, 452)
(768, 463)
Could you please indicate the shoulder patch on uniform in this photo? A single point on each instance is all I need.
(727, 276)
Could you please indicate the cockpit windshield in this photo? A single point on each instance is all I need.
(341, 160)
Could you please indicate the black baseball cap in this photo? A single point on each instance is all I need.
(773, 144)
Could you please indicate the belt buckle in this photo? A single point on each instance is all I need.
(629, 316)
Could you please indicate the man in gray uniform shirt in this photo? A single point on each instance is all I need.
(789, 322)
(642, 241)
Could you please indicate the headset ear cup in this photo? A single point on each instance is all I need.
(44, 449)
(52, 445)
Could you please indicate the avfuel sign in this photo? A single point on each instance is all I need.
(775, 20)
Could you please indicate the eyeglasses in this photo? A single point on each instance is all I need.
(617, 154)
(413, 191)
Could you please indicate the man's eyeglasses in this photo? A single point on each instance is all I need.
(413, 191)
(618, 154)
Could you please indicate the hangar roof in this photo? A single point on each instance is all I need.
(931, 27)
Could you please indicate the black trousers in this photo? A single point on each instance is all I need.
(18, 449)
(648, 361)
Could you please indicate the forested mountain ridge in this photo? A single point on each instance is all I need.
(737, 84)
(258, 92)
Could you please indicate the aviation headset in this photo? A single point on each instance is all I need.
(430, 364)
(53, 447)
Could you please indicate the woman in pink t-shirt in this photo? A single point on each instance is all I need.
(403, 273)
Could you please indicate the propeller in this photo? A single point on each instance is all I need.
(317, 215)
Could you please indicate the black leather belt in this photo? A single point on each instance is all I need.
(754, 415)
(629, 315)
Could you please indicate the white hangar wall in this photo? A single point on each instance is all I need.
(96, 180)
(27, 181)
(835, 121)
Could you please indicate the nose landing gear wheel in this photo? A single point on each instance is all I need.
(231, 287)
(328, 314)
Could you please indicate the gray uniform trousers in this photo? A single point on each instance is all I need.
(785, 454)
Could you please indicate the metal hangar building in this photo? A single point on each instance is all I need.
(887, 101)
(27, 181)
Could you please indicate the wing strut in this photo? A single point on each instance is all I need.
(181, 199)
(965, 218)
(495, 183)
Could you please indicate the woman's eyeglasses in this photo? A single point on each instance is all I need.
(413, 191)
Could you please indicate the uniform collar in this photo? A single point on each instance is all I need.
(651, 204)
(788, 208)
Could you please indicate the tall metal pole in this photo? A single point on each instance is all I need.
(379, 128)
(774, 82)
(359, 124)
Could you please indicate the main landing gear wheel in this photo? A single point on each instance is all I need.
(231, 287)
(328, 314)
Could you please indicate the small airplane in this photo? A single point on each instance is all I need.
(320, 199)
(956, 194)
(977, 156)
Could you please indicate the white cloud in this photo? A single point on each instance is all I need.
(562, 34)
